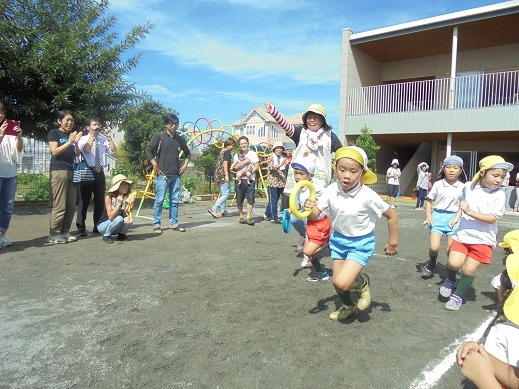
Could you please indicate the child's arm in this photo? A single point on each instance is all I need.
(392, 222)
(482, 217)
(428, 212)
(455, 219)
(312, 204)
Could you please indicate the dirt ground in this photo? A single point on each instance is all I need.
(222, 305)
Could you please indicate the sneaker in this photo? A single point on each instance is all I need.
(223, 214)
(81, 233)
(69, 237)
(301, 244)
(266, 218)
(363, 293)
(213, 213)
(306, 261)
(276, 221)
(446, 288)
(241, 221)
(426, 272)
(122, 237)
(343, 313)
(108, 239)
(318, 276)
(57, 239)
(4, 241)
(454, 303)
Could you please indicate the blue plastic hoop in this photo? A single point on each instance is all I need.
(285, 221)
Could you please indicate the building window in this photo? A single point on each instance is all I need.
(261, 132)
(275, 132)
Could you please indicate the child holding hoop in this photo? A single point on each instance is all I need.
(353, 209)
(115, 219)
(440, 208)
(317, 230)
(482, 205)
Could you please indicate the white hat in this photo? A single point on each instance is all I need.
(394, 161)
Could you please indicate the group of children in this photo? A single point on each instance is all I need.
(466, 212)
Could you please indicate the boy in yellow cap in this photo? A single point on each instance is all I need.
(476, 236)
(353, 209)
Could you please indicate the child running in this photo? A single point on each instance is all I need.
(441, 207)
(353, 209)
(482, 205)
(317, 230)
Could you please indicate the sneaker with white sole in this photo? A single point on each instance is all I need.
(306, 261)
(363, 293)
(446, 288)
(318, 276)
(4, 241)
(69, 237)
(213, 213)
(343, 313)
(426, 272)
(454, 303)
(57, 239)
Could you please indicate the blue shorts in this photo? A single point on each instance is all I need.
(357, 248)
(441, 220)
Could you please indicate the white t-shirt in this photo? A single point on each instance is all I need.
(8, 156)
(446, 197)
(485, 201)
(502, 342)
(253, 158)
(354, 213)
(394, 180)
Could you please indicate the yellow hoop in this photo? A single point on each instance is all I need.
(293, 196)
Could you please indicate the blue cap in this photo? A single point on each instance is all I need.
(453, 160)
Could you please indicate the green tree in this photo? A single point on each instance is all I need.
(140, 122)
(63, 54)
(207, 162)
(366, 142)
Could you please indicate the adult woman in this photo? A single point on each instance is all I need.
(10, 145)
(221, 177)
(277, 165)
(63, 147)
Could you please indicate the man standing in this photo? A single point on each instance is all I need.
(163, 152)
(95, 145)
(244, 188)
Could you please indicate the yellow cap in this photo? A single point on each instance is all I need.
(511, 241)
(492, 162)
(359, 155)
(511, 307)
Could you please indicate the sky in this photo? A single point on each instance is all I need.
(218, 59)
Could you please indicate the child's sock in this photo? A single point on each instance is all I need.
(359, 281)
(451, 274)
(346, 298)
(317, 264)
(463, 285)
(433, 257)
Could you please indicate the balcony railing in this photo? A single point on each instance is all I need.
(475, 91)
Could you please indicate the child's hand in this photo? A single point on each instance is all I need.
(309, 204)
(428, 222)
(120, 199)
(391, 249)
(464, 349)
(464, 206)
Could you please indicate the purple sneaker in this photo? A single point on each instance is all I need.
(454, 303)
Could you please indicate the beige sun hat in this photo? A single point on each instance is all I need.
(278, 144)
(117, 180)
(315, 108)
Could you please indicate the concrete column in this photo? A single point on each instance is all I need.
(454, 61)
(448, 150)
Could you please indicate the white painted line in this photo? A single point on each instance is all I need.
(431, 377)
(392, 257)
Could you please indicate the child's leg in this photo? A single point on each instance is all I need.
(346, 277)
(468, 271)
(311, 249)
(434, 247)
(454, 263)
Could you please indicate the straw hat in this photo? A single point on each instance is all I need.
(511, 241)
(511, 307)
(315, 108)
(492, 162)
(116, 182)
(359, 155)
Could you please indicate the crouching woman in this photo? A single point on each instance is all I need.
(116, 218)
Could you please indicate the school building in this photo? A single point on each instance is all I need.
(434, 87)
